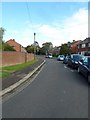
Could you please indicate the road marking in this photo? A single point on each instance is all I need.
(65, 66)
(71, 70)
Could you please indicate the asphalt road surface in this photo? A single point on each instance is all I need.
(57, 92)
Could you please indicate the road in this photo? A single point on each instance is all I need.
(57, 92)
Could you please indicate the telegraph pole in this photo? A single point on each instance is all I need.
(34, 45)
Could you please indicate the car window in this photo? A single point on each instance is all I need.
(76, 57)
(85, 60)
(71, 56)
(61, 56)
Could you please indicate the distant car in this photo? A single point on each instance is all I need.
(49, 56)
(73, 60)
(65, 61)
(60, 58)
(84, 67)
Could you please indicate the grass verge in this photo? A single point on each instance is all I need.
(10, 69)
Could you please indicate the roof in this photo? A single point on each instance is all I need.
(87, 40)
(76, 42)
(13, 41)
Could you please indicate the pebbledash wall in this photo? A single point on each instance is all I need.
(12, 58)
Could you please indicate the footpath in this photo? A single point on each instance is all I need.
(17, 78)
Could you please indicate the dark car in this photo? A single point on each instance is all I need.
(84, 67)
(73, 60)
(65, 61)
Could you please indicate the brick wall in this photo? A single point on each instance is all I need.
(83, 49)
(12, 58)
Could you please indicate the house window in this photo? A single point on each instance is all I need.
(83, 45)
(88, 44)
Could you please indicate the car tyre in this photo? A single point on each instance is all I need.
(72, 66)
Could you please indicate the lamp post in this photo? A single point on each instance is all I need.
(34, 45)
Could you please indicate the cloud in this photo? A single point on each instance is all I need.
(72, 28)
(77, 25)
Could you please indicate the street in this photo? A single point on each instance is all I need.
(57, 92)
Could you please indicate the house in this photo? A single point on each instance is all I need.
(74, 46)
(56, 50)
(16, 46)
(84, 47)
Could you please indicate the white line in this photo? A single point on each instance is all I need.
(71, 70)
(65, 66)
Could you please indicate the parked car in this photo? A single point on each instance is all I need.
(49, 56)
(65, 61)
(84, 67)
(73, 60)
(60, 58)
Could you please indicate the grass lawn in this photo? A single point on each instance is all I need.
(10, 69)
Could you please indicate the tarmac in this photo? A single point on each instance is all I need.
(17, 78)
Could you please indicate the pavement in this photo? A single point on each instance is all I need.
(17, 78)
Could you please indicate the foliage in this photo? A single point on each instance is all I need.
(64, 49)
(46, 47)
(42, 51)
(2, 31)
(30, 49)
(6, 47)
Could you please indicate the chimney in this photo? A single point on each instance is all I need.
(73, 40)
(13, 39)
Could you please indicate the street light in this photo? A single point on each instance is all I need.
(34, 45)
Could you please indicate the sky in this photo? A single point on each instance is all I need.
(56, 22)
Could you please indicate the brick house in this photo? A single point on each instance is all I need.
(16, 46)
(74, 46)
(84, 47)
(56, 50)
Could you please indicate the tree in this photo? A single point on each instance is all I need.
(46, 47)
(42, 51)
(30, 49)
(64, 49)
(6, 47)
(2, 32)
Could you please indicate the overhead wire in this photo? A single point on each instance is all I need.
(29, 15)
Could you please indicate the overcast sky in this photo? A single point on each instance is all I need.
(56, 22)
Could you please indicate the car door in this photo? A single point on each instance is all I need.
(71, 60)
(84, 66)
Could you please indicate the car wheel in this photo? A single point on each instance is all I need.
(72, 66)
(78, 70)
